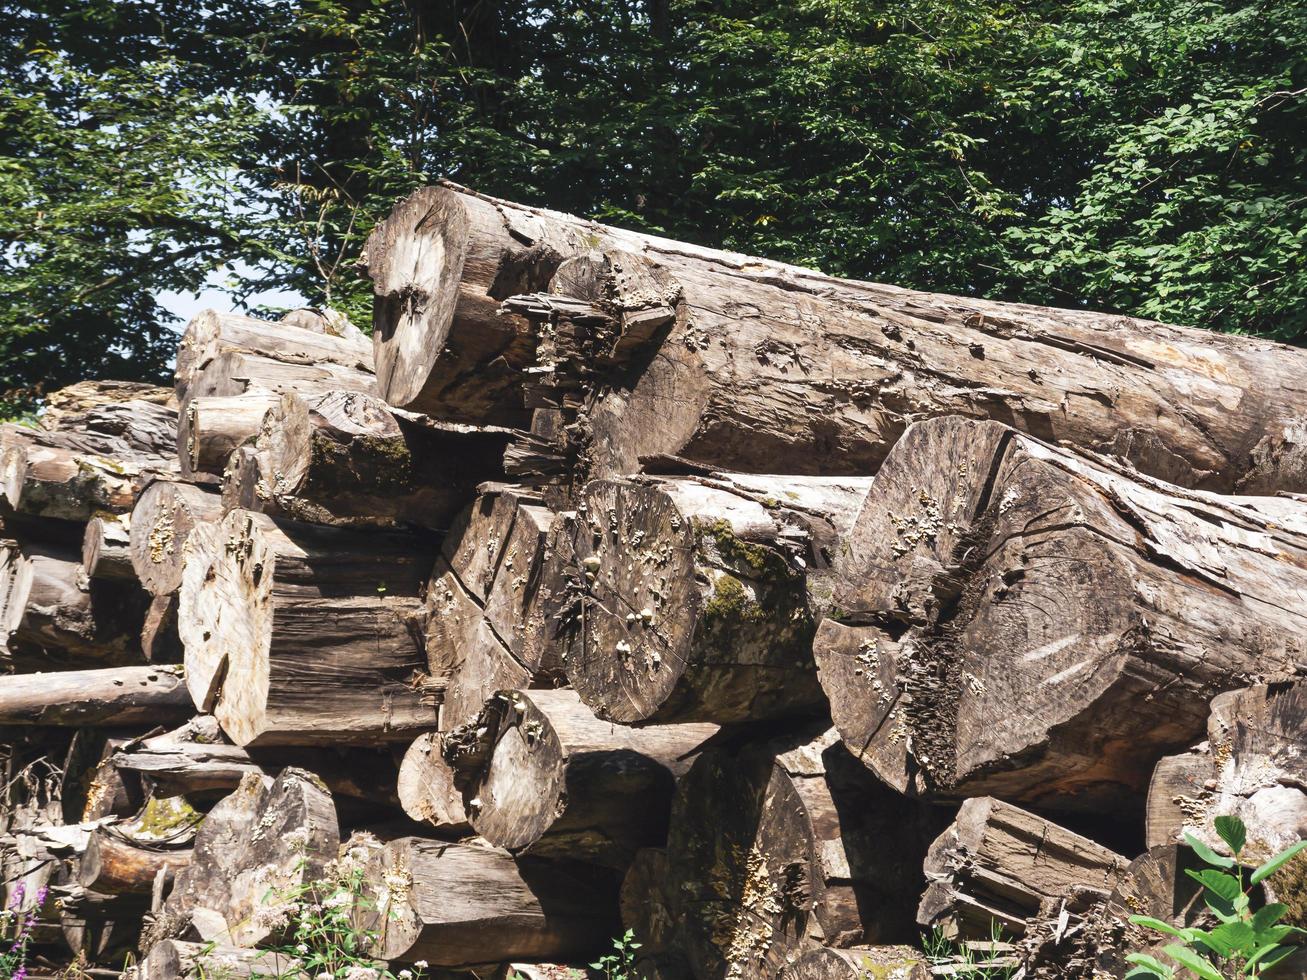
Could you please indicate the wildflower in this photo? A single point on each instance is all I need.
(324, 976)
(421, 964)
(405, 975)
(337, 900)
(302, 948)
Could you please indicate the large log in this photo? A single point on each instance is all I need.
(106, 549)
(344, 457)
(296, 633)
(142, 417)
(254, 851)
(54, 617)
(210, 334)
(210, 429)
(1027, 623)
(687, 599)
(162, 519)
(765, 367)
(999, 866)
(541, 775)
(48, 481)
(426, 787)
(461, 905)
(112, 696)
(779, 847)
(116, 864)
(1251, 766)
(239, 372)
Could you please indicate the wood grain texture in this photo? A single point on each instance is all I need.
(426, 787)
(163, 516)
(108, 696)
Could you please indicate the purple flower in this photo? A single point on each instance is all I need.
(20, 973)
(20, 892)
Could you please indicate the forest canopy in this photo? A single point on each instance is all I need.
(1136, 156)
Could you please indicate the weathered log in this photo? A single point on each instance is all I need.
(238, 372)
(172, 959)
(54, 616)
(486, 608)
(779, 847)
(997, 865)
(1251, 766)
(296, 633)
(687, 599)
(210, 429)
(116, 864)
(210, 334)
(1154, 884)
(141, 417)
(648, 910)
(112, 696)
(541, 775)
(426, 787)
(345, 457)
(255, 848)
(52, 482)
(457, 905)
(196, 760)
(106, 549)
(160, 641)
(326, 320)
(780, 368)
(891, 962)
(1042, 627)
(163, 517)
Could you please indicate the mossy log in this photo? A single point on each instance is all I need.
(687, 599)
(345, 458)
(664, 348)
(779, 847)
(296, 633)
(162, 519)
(463, 905)
(210, 334)
(1025, 622)
(998, 865)
(111, 696)
(541, 775)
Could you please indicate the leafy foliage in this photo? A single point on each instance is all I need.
(620, 963)
(1246, 943)
(1140, 156)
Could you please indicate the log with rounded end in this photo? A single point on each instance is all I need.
(209, 333)
(106, 549)
(52, 482)
(345, 457)
(541, 775)
(173, 959)
(115, 864)
(426, 787)
(1008, 607)
(779, 847)
(112, 696)
(896, 962)
(296, 633)
(457, 905)
(998, 865)
(209, 430)
(163, 517)
(684, 602)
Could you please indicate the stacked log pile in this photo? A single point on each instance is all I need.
(617, 583)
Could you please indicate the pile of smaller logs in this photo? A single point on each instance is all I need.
(620, 584)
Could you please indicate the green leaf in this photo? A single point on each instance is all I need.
(1218, 946)
(1206, 853)
(1233, 832)
(1217, 882)
(1235, 935)
(1148, 963)
(1268, 956)
(1159, 926)
(1186, 957)
(1268, 915)
(1277, 862)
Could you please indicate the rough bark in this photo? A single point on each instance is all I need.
(1251, 766)
(115, 864)
(1000, 865)
(296, 633)
(134, 412)
(106, 549)
(210, 334)
(459, 905)
(426, 787)
(780, 847)
(871, 963)
(55, 617)
(687, 599)
(173, 959)
(1042, 627)
(162, 519)
(211, 429)
(345, 457)
(762, 366)
(541, 775)
(258, 845)
(52, 482)
(328, 321)
(237, 372)
(108, 697)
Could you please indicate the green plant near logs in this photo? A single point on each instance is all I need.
(1247, 942)
(620, 963)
